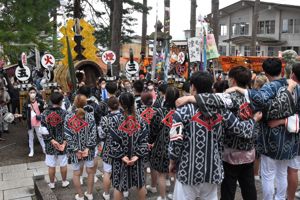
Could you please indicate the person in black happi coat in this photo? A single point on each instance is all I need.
(128, 142)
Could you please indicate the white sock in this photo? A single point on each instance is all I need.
(52, 183)
(64, 181)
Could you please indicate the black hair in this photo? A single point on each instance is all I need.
(150, 81)
(113, 103)
(54, 88)
(127, 102)
(296, 70)
(32, 88)
(202, 81)
(272, 66)
(85, 90)
(172, 94)
(40, 74)
(15, 82)
(241, 74)
(163, 88)
(101, 79)
(138, 86)
(56, 97)
(111, 87)
(186, 87)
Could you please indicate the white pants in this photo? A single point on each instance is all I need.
(52, 159)
(269, 168)
(205, 191)
(31, 137)
(295, 163)
(5, 125)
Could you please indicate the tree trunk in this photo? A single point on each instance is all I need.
(254, 28)
(116, 34)
(144, 28)
(215, 18)
(193, 18)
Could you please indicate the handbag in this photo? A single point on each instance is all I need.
(37, 117)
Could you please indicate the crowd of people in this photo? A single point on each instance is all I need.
(223, 133)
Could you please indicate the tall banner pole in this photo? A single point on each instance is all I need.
(154, 47)
(167, 64)
(205, 53)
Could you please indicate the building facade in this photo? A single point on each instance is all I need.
(278, 29)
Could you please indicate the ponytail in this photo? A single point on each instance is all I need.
(127, 102)
(80, 101)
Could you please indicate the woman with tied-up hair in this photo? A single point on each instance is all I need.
(81, 137)
(128, 143)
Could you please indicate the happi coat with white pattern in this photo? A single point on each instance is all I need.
(161, 125)
(127, 141)
(196, 143)
(80, 134)
(53, 119)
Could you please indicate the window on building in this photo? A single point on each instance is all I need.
(261, 27)
(247, 50)
(240, 28)
(297, 26)
(234, 29)
(287, 26)
(270, 27)
(271, 51)
(223, 29)
(296, 49)
(232, 51)
(286, 48)
(257, 50)
(222, 50)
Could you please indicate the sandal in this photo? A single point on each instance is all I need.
(1, 139)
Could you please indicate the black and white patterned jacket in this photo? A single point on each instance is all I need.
(196, 143)
(80, 134)
(26, 111)
(53, 119)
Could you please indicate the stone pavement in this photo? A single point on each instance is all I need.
(16, 183)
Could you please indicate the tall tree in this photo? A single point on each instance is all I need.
(215, 23)
(22, 22)
(144, 28)
(193, 18)
(116, 33)
(254, 28)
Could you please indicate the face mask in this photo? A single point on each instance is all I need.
(128, 86)
(150, 87)
(122, 85)
(16, 87)
(103, 86)
(145, 86)
(32, 96)
(59, 91)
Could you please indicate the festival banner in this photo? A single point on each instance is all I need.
(195, 45)
(211, 47)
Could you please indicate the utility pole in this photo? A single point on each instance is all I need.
(144, 28)
(215, 19)
(254, 28)
(193, 18)
(116, 34)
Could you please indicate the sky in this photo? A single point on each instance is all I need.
(180, 14)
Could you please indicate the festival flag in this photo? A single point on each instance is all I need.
(71, 67)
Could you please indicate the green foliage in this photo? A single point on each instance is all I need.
(22, 22)
(102, 18)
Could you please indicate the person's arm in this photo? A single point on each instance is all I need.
(176, 136)
(116, 151)
(92, 134)
(70, 138)
(245, 129)
(154, 128)
(43, 129)
(140, 148)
